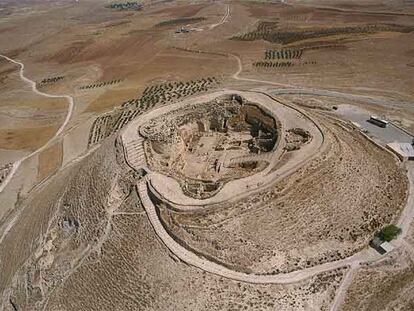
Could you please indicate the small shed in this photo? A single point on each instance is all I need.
(405, 151)
(381, 246)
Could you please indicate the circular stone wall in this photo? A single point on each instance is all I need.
(205, 145)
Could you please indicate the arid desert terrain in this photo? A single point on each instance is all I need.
(206, 155)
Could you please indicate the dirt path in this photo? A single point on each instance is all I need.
(298, 90)
(236, 76)
(224, 18)
(32, 84)
(404, 223)
(407, 214)
(341, 292)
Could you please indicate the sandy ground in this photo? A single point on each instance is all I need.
(73, 232)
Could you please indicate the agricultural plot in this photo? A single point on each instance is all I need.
(263, 30)
(180, 21)
(287, 58)
(269, 32)
(323, 46)
(270, 64)
(155, 95)
(297, 53)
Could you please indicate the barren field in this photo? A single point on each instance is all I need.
(198, 155)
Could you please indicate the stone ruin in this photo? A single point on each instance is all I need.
(206, 145)
(295, 138)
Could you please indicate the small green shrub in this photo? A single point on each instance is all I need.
(389, 233)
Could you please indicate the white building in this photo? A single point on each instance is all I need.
(387, 247)
(404, 151)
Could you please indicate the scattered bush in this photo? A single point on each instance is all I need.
(389, 233)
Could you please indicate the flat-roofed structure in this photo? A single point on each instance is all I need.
(405, 151)
(381, 246)
(387, 247)
(377, 121)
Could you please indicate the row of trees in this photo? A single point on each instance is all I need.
(267, 64)
(284, 54)
(92, 86)
(125, 6)
(51, 80)
(270, 64)
(269, 31)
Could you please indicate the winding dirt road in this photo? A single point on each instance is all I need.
(341, 291)
(236, 75)
(298, 90)
(32, 84)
